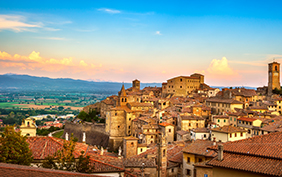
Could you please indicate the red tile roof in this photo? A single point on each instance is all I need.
(7, 170)
(260, 154)
(199, 147)
(228, 129)
(247, 119)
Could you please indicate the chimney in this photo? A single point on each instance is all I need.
(102, 151)
(84, 137)
(220, 152)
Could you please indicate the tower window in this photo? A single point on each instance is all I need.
(276, 68)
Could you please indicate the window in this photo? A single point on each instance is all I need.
(169, 130)
(188, 172)
(180, 80)
(164, 153)
(115, 114)
(151, 136)
(141, 150)
(132, 144)
(180, 86)
(188, 159)
(235, 134)
(200, 160)
(205, 135)
(128, 127)
(230, 135)
(129, 119)
(189, 124)
(218, 120)
(172, 170)
(224, 120)
(241, 134)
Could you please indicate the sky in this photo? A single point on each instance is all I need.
(230, 42)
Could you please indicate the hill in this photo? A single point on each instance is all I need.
(33, 83)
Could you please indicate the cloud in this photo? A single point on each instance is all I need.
(220, 70)
(16, 23)
(52, 38)
(36, 63)
(110, 11)
(158, 33)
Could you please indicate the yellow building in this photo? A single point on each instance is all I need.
(221, 120)
(182, 85)
(28, 127)
(220, 105)
(187, 123)
(167, 130)
(194, 153)
(228, 133)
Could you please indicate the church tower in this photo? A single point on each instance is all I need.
(122, 97)
(273, 77)
(136, 84)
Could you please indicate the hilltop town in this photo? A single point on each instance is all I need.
(184, 128)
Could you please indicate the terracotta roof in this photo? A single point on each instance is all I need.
(228, 129)
(221, 100)
(199, 147)
(122, 91)
(247, 119)
(201, 130)
(221, 117)
(141, 104)
(260, 154)
(249, 163)
(182, 132)
(42, 147)
(138, 163)
(27, 171)
(164, 124)
(192, 117)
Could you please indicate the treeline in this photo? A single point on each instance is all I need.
(15, 116)
(45, 132)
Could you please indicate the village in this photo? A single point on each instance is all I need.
(184, 128)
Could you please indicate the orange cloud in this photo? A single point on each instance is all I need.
(35, 62)
(221, 69)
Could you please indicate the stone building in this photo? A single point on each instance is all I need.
(273, 77)
(182, 85)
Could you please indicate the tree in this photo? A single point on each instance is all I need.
(64, 159)
(14, 148)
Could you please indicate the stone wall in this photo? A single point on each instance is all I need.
(95, 133)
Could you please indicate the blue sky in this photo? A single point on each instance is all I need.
(230, 42)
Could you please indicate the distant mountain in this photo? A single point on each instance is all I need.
(33, 83)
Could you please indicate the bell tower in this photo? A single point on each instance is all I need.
(122, 98)
(273, 77)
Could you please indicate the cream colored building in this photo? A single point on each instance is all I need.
(28, 127)
(220, 105)
(188, 123)
(182, 85)
(228, 133)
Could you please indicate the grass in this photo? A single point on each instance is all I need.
(9, 104)
(59, 134)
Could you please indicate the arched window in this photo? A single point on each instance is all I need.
(275, 68)
(164, 153)
(125, 100)
(122, 100)
(28, 124)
